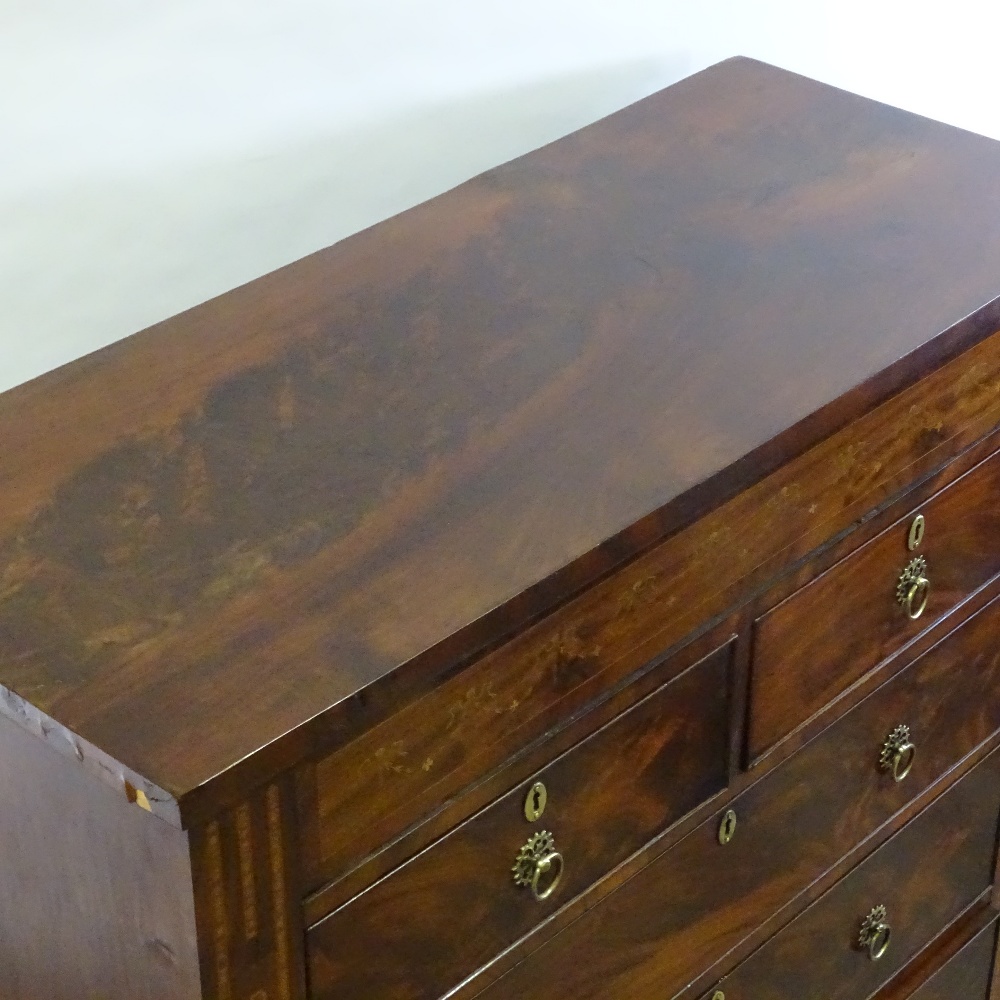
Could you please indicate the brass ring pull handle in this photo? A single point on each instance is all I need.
(875, 934)
(898, 753)
(539, 866)
(914, 588)
(548, 872)
(916, 597)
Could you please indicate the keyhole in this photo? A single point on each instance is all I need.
(534, 801)
(727, 828)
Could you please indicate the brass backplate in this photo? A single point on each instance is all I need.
(875, 933)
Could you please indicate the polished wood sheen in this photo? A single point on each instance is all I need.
(793, 826)
(817, 642)
(607, 796)
(487, 712)
(818, 954)
(329, 481)
(594, 470)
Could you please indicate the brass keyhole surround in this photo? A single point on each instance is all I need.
(727, 826)
(535, 801)
(916, 533)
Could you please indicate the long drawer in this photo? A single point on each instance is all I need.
(670, 921)
(822, 638)
(867, 927)
(965, 976)
(453, 907)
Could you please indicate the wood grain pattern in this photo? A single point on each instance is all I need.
(490, 786)
(473, 721)
(794, 825)
(926, 875)
(817, 642)
(334, 486)
(966, 976)
(952, 966)
(96, 898)
(327, 569)
(247, 896)
(453, 907)
(360, 800)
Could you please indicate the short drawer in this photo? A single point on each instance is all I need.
(451, 909)
(821, 639)
(966, 976)
(363, 796)
(700, 900)
(867, 927)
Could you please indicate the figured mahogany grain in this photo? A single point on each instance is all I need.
(820, 640)
(327, 895)
(925, 876)
(452, 908)
(401, 769)
(322, 492)
(698, 901)
(361, 796)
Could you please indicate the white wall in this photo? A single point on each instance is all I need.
(153, 155)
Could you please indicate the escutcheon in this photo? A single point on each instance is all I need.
(535, 801)
(727, 827)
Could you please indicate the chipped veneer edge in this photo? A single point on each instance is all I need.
(128, 783)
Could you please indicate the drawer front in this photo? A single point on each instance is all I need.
(817, 642)
(450, 910)
(924, 877)
(699, 900)
(966, 976)
(366, 794)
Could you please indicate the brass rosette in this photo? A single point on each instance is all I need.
(897, 740)
(875, 933)
(540, 845)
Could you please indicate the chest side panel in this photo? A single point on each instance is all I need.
(96, 895)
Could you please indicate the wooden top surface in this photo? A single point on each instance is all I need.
(336, 477)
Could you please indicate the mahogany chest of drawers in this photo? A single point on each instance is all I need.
(583, 585)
